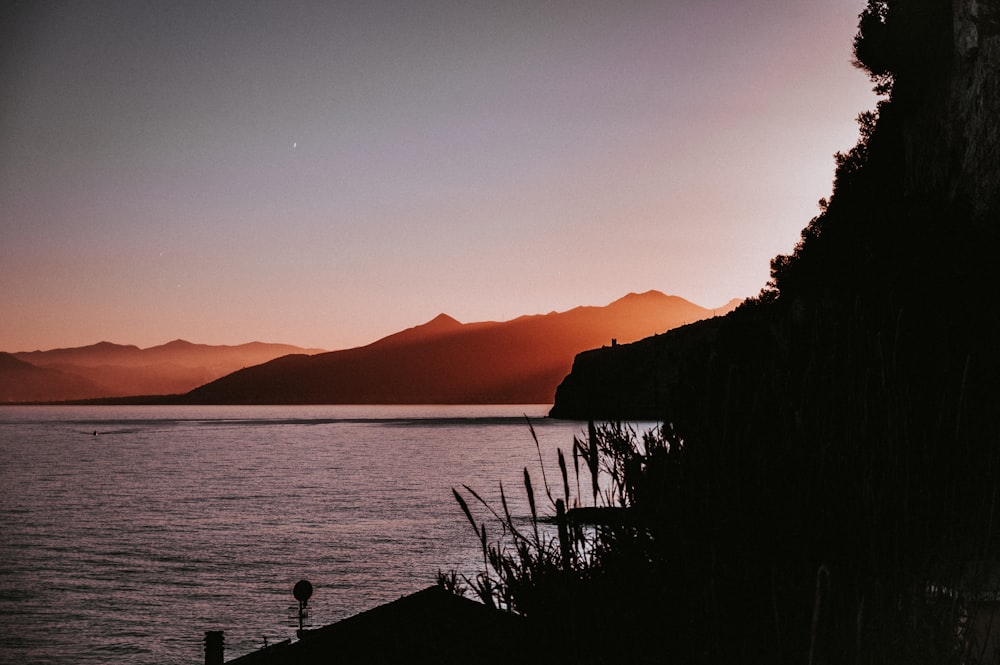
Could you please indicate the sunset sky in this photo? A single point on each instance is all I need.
(325, 173)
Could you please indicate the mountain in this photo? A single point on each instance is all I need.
(115, 370)
(23, 382)
(447, 362)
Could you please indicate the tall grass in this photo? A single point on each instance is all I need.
(823, 509)
(826, 488)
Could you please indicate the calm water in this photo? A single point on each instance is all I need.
(127, 546)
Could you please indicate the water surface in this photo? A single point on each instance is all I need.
(126, 545)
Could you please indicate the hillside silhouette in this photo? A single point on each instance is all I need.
(826, 489)
(115, 370)
(446, 362)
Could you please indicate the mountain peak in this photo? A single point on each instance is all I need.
(177, 344)
(442, 321)
(652, 294)
(103, 346)
(442, 324)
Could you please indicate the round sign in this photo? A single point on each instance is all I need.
(302, 590)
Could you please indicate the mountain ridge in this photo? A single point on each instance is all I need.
(106, 369)
(24, 382)
(444, 361)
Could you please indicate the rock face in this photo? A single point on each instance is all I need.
(901, 250)
(634, 381)
(953, 137)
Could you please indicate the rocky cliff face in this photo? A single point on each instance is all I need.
(953, 138)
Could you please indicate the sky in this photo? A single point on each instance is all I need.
(325, 173)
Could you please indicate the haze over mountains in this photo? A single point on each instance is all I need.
(440, 362)
(115, 370)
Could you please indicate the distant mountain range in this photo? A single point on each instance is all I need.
(443, 361)
(115, 370)
(440, 362)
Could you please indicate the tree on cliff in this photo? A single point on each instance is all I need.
(828, 489)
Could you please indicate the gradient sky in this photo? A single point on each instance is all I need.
(326, 173)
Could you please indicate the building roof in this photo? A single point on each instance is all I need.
(432, 625)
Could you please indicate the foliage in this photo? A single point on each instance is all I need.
(908, 40)
(871, 45)
(829, 473)
(779, 552)
(592, 570)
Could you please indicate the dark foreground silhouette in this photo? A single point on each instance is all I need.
(430, 626)
(827, 491)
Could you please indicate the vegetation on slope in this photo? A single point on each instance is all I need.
(826, 487)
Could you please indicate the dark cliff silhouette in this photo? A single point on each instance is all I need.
(114, 370)
(904, 246)
(828, 492)
(446, 362)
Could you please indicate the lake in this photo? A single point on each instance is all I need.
(127, 532)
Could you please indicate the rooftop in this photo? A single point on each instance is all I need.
(432, 625)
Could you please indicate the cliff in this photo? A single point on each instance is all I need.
(902, 246)
(831, 460)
